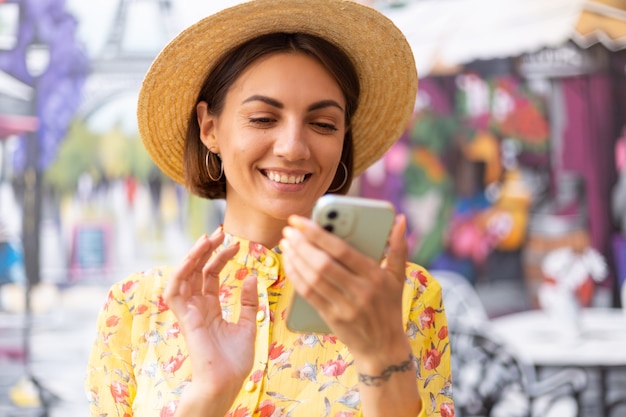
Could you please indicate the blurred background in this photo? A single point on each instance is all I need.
(512, 174)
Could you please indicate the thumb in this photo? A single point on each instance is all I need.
(398, 247)
(249, 300)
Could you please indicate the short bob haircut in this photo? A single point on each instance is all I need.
(226, 73)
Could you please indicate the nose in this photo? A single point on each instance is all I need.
(291, 143)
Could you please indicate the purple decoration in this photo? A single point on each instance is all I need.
(58, 89)
(439, 102)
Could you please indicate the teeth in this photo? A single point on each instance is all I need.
(284, 178)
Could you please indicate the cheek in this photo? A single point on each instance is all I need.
(331, 153)
(238, 142)
(242, 154)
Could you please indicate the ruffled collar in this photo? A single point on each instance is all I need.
(255, 255)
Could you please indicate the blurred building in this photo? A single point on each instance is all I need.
(511, 151)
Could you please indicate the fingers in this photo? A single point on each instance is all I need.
(322, 276)
(210, 291)
(325, 269)
(249, 302)
(307, 277)
(187, 277)
(328, 244)
(398, 247)
(337, 247)
(212, 268)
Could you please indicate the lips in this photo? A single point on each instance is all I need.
(285, 178)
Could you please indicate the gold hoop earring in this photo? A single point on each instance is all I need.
(345, 178)
(213, 160)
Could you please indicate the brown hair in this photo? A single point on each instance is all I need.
(226, 73)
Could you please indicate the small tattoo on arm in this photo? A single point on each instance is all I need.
(377, 380)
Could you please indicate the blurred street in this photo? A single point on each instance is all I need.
(63, 327)
(60, 344)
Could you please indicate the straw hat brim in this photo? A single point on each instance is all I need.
(378, 49)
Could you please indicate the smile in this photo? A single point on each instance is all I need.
(285, 178)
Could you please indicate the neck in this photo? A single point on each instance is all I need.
(267, 232)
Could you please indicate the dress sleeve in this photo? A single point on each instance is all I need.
(110, 382)
(427, 329)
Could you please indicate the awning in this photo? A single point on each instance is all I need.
(446, 34)
(14, 124)
(602, 21)
(15, 107)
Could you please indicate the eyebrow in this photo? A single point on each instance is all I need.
(325, 103)
(264, 99)
(275, 103)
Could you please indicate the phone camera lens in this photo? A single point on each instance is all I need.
(329, 228)
(332, 214)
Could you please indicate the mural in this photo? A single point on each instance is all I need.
(459, 170)
(47, 26)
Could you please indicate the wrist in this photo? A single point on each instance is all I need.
(390, 389)
(398, 358)
(378, 379)
(197, 400)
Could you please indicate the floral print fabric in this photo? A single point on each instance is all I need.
(139, 364)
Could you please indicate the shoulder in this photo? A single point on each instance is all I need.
(418, 277)
(421, 289)
(140, 288)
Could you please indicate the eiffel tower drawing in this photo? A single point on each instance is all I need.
(117, 70)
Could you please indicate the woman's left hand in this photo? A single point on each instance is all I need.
(359, 298)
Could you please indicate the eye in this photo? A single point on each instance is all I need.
(324, 127)
(261, 121)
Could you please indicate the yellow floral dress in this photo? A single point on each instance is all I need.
(139, 364)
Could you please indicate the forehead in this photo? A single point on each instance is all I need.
(292, 72)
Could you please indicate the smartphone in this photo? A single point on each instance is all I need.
(362, 222)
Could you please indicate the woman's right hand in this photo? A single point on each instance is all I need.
(221, 352)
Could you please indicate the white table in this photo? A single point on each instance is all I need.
(601, 345)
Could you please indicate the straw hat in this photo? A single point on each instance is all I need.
(382, 57)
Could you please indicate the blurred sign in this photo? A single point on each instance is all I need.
(90, 249)
(565, 61)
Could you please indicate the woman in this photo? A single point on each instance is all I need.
(271, 104)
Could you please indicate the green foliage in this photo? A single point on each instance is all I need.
(434, 242)
(432, 131)
(109, 156)
(75, 156)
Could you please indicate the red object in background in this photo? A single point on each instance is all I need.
(584, 293)
(131, 190)
(527, 123)
(11, 124)
(467, 240)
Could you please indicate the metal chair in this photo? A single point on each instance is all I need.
(488, 378)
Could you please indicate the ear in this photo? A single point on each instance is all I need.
(206, 121)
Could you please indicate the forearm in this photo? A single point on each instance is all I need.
(389, 388)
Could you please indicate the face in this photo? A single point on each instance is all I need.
(280, 137)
